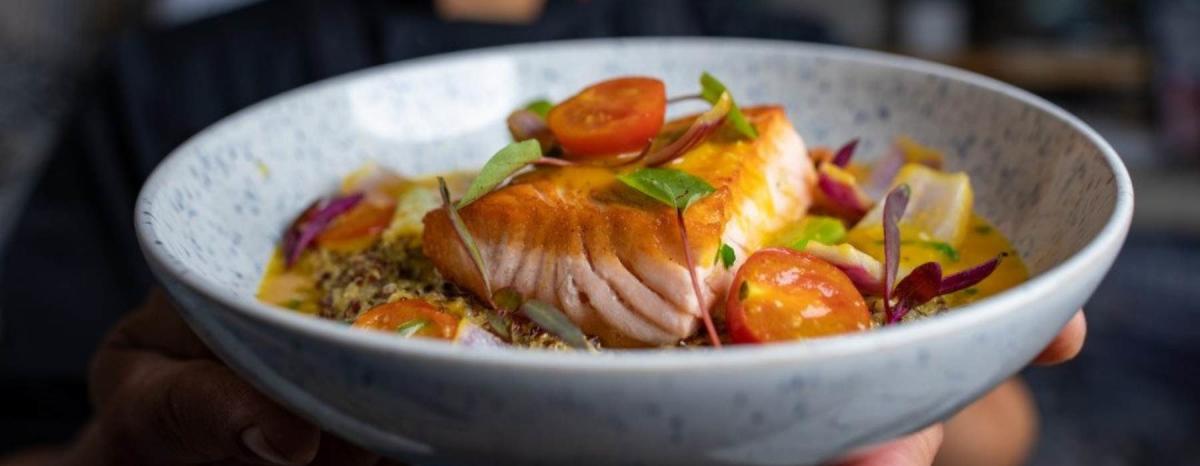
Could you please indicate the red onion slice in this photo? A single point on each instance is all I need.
(526, 124)
(701, 127)
(305, 229)
(864, 271)
(841, 191)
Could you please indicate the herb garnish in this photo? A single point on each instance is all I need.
(818, 228)
(842, 158)
(893, 209)
(711, 90)
(725, 256)
(540, 106)
(507, 161)
(679, 190)
(411, 327)
(555, 322)
(925, 282)
(464, 235)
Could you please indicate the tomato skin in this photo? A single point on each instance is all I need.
(359, 226)
(609, 118)
(790, 295)
(388, 317)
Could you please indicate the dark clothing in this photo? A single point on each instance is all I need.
(73, 266)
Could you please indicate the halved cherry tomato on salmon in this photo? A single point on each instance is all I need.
(394, 316)
(782, 294)
(609, 118)
(359, 226)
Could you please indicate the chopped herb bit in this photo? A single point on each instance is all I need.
(711, 90)
(983, 229)
(691, 268)
(294, 304)
(507, 299)
(554, 321)
(500, 324)
(671, 187)
(411, 327)
(944, 248)
(971, 291)
(507, 161)
(541, 107)
(824, 230)
(726, 256)
(744, 291)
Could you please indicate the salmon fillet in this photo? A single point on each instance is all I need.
(610, 257)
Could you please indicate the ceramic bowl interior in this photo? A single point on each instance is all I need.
(212, 212)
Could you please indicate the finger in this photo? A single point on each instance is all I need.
(200, 411)
(154, 327)
(916, 449)
(1067, 344)
(338, 452)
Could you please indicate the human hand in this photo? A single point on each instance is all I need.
(161, 398)
(921, 448)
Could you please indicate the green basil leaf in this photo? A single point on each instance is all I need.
(411, 327)
(711, 90)
(554, 321)
(824, 230)
(541, 107)
(726, 256)
(671, 187)
(511, 158)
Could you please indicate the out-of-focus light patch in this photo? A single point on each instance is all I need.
(436, 103)
(176, 12)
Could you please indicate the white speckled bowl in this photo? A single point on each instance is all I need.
(210, 214)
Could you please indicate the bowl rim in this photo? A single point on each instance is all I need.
(1097, 253)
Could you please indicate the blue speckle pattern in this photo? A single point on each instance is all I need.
(212, 213)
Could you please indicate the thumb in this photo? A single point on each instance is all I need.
(199, 411)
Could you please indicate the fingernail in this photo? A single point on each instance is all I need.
(255, 441)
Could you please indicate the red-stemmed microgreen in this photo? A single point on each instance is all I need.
(845, 153)
(893, 210)
(678, 190)
(925, 282)
(553, 162)
(502, 165)
(684, 98)
(712, 90)
(554, 321)
(316, 218)
(468, 241)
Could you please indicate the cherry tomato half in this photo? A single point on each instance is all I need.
(782, 294)
(610, 117)
(359, 226)
(389, 317)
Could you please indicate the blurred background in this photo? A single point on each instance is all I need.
(94, 92)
